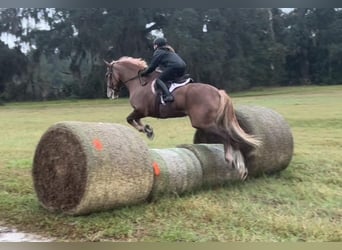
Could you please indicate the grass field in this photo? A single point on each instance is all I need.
(302, 203)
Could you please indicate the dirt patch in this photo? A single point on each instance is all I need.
(13, 235)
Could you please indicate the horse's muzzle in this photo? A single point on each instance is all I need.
(111, 94)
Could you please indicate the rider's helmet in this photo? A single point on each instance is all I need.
(160, 41)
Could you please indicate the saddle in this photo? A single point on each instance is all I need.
(171, 85)
(176, 84)
(183, 78)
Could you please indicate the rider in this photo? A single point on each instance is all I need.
(171, 64)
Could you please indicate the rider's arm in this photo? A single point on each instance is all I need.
(157, 56)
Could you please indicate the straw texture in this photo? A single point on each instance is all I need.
(270, 127)
(189, 167)
(82, 167)
(180, 171)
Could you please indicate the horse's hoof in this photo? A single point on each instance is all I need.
(244, 175)
(149, 132)
(150, 135)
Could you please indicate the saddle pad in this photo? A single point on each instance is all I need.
(175, 85)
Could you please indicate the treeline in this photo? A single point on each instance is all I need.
(232, 49)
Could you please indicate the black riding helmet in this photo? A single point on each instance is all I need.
(160, 41)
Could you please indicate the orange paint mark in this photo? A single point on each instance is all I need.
(97, 144)
(156, 168)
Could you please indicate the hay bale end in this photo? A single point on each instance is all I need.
(82, 167)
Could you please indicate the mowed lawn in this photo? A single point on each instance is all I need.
(302, 203)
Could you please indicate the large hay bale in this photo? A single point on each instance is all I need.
(215, 168)
(82, 167)
(270, 127)
(179, 171)
(189, 167)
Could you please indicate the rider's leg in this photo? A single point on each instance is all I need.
(167, 95)
(165, 76)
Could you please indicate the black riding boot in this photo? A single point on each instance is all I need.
(167, 95)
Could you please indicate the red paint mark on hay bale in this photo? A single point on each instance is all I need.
(156, 169)
(97, 144)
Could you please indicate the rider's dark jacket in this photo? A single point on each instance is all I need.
(169, 62)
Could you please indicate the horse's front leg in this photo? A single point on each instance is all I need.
(134, 120)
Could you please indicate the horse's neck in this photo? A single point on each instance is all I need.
(134, 86)
(141, 85)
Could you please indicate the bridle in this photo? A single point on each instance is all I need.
(111, 75)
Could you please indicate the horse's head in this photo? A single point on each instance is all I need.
(113, 82)
(123, 71)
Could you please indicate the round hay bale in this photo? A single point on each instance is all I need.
(215, 168)
(180, 171)
(189, 167)
(82, 167)
(276, 150)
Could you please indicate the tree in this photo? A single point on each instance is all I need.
(13, 64)
(83, 37)
(232, 49)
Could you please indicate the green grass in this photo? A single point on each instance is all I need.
(302, 203)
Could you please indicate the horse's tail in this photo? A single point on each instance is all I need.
(226, 118)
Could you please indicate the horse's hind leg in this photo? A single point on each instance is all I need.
(232, 155)
(239, 163)
(221, 136)
(228, 149)
(235, 158)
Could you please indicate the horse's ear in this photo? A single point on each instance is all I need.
(107, 63)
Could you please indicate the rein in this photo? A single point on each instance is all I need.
(132, 78)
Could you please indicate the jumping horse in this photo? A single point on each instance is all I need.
(208, 108)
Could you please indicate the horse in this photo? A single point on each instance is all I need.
(209, 109)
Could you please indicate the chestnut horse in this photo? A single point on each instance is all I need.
(208, 108)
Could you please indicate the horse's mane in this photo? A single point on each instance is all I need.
(141, 63)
